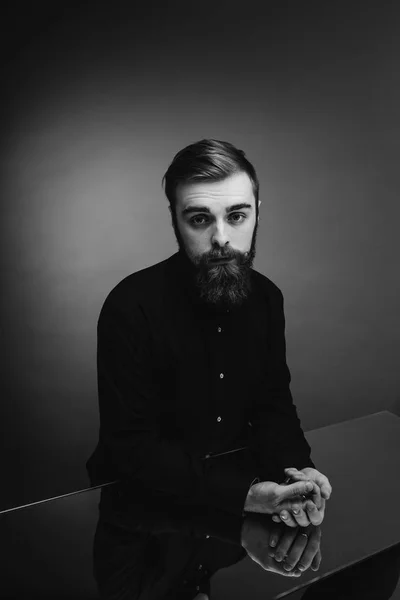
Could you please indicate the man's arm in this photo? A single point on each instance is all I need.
(129, 402)
(276, 430)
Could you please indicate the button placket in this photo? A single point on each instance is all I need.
(221, 375)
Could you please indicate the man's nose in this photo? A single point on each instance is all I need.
(220, 235)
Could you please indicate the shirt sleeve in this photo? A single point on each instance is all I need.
(130, 438)
(277, 436)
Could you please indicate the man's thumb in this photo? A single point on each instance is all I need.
(297, 488)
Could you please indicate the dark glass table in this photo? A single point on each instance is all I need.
(151, 548)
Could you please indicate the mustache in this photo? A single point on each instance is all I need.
(220, 256)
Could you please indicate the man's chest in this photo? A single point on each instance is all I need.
(214, 358)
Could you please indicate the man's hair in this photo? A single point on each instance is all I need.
(207, 160)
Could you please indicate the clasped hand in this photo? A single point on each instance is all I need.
(287, 552)
(307, 511)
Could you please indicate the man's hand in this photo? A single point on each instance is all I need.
(300, 551)
(296, 548)
(314, 509)
(308, 473)
(269, 497)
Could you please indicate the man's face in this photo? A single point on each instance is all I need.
(208, 225)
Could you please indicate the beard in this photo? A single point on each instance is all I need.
(224, 285)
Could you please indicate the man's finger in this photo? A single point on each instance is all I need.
(324, 485)
(276, 518)
(273, 540)
(316, 516)
(298, 488)
(321, 480)
(300, 516)
(297, 475)
(284, 544)
(316, 496)
(287, 518)
(316, 561)
(326, 489)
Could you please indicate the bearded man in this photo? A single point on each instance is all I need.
(194, 388)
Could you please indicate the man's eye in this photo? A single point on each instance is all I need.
(238, 215)
(195, 221)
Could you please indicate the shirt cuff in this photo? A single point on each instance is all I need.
(256, 480)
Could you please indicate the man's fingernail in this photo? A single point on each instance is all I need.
(272, 543)
(301, 567)
(295, 511)
(283, 516)
(309, 486)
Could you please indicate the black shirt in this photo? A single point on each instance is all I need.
(181, 381)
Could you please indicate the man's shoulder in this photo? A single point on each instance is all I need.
(266, 286)
(136, 287)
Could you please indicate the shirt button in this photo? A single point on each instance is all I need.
(200, 567)
(221, 375)
(207, 536)
(219, 419)
(219, 329)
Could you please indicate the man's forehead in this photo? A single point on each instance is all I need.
(233, 188)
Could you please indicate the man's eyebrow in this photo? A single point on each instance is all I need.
(205, 209)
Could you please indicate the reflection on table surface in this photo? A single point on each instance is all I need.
(148, 546)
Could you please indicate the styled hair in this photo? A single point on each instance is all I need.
(207, 160)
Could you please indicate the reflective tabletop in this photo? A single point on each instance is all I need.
(148, 546)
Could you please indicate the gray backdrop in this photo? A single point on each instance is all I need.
(98, 102)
